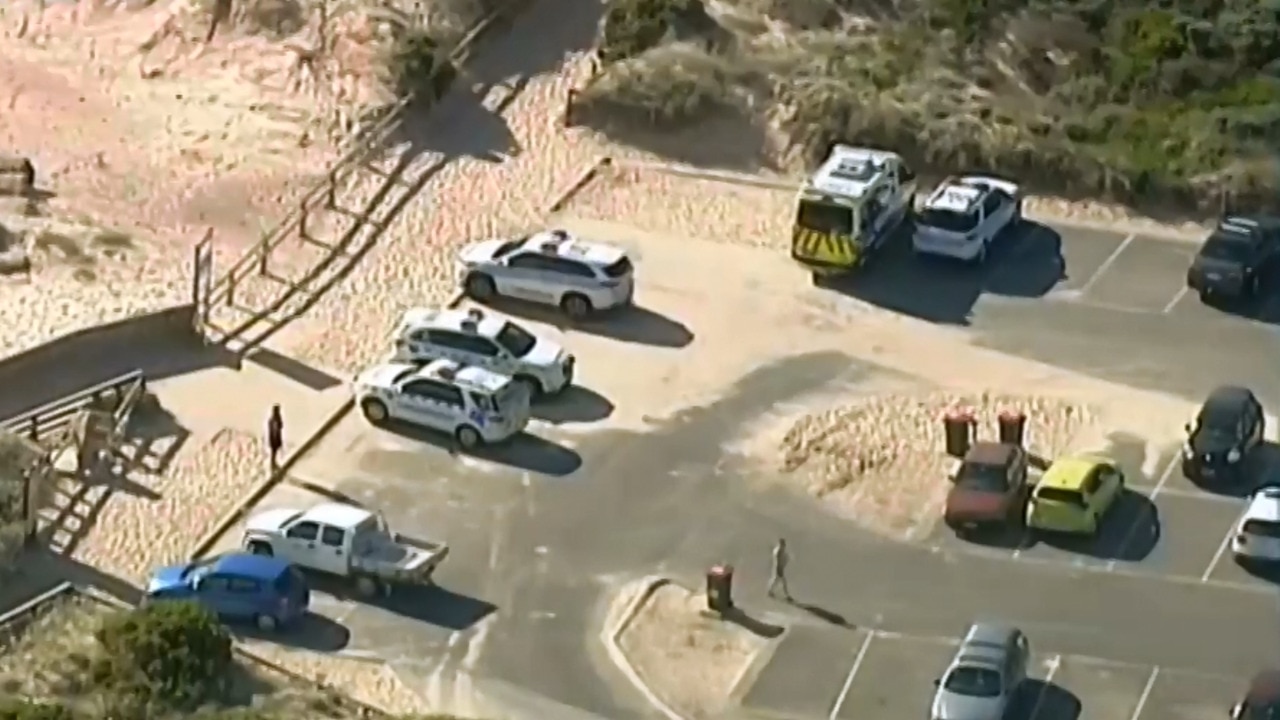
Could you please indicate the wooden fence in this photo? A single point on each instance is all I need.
(220, 289)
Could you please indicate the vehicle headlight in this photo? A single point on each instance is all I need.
(1233, 456)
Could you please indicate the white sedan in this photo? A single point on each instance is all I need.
(1257, 535)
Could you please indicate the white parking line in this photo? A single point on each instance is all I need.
(1222, 550)
(1053, 664)
(1181, 294)
(1106, 265)
(1143, 521)
(848, 681)
(1187, 494)
(1146, 693)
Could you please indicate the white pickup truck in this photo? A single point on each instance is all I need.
(345, 541)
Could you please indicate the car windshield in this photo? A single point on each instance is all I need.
(516, 340)
(824, 217)
(948, 220)
(1218, 420)
(1261, 528)
(987, 478)
(1226, 246)
(509, 247)
(1061, 495)
(973, 681)
(619, 269)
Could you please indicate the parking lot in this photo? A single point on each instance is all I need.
(861, 674)
(621, 473)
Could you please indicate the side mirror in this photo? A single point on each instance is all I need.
(937, 682)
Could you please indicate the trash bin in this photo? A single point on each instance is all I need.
(958, 426)
(720, 588)
(1013, 427)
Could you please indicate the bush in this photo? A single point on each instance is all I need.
(630, 27)
(23, 709)
(173, 655)
(415, 61)
(665, 86)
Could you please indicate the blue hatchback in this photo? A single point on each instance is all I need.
(237, 587)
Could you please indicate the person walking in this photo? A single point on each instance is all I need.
(275, 436)
(778, 572)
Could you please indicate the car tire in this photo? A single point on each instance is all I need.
(258, 547)
(532, 385)
(266, 623)
(576, 306)
(468, 437)
(479, 286)
(368, 587)
(375, 411)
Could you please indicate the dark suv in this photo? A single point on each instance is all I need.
(1236, 258)
(1262, 700)
(1226, 432)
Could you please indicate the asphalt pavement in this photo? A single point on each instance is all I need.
(544, 529)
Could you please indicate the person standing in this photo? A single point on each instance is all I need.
(778, 572)
(275, 436)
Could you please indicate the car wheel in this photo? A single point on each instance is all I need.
(575, 306)
(257, 547)
(375, 411)
(368, 587)
(469, 437)
(531, 385)
(266, 623)
(480, 287)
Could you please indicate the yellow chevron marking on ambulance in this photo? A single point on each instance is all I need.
(822, 247)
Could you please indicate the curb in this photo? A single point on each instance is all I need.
(611, 635)
(260, 490)
(582, 180)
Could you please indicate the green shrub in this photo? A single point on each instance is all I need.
(172, 654)
(665, 86)
(630, 27)
(23, 709)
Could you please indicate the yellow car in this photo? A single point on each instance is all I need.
(1074, 495)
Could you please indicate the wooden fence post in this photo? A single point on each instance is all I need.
(264, 255)
(231, 289)
(331, 195)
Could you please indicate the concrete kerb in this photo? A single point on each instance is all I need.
(1195, 233)
(611, 637)
(583, 179)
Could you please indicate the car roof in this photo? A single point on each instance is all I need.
(851, 172)
(986, 643)
(990, 453)
(956, 196)
(470, 377)
(337, 514)
(1264, 505)
(263, 567)
(563, 244)
(1226, 398)
(1264, 689)
(1069, 472)
(472, 320)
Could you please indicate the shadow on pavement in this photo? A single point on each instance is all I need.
(827, 616)
(576, 404)
(1129, 532)
(1268, 571)
(313, 632)
(1040, 700)
(757, 627)
(436, 605)
(631, 324)
(523, 452)
(1024, 262)
(293, 369)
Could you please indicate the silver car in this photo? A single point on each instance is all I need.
(984, 676)
(552, 268)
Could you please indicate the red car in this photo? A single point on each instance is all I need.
(989, 489)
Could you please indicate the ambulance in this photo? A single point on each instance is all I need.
(849, 208)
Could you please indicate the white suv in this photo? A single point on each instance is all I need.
(552, 268)
(962, 217)
(473, 338)
(1257, 536)
(474, 405)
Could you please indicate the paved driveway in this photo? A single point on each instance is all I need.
(631, 473)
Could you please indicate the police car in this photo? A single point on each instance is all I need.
(473, 338)
(475, 405)
(1257, 536)
(552, 268)
(963, 216)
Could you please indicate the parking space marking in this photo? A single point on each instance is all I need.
(848, 680)
(1146, 693)
(1106, 265)
(1222, 550)
(1176, 299)
(1141, 521)
(1169, 491)
(1051, 666)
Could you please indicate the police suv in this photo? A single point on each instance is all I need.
(475, 405)
(473, 338)
(963, 216)
(552, 268)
